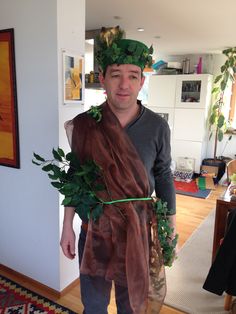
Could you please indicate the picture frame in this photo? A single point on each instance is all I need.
(9, 132)
(73, 78)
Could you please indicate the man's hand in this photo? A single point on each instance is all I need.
(68, 242)
(68, 236)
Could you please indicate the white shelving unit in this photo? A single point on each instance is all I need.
(184, 100)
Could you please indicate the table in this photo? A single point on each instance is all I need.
(223, 206)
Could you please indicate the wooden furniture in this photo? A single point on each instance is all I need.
(223, 206)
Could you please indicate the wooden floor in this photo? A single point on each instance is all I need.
(190, 213)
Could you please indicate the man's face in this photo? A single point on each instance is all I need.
(122, 84)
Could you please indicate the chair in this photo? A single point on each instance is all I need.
(230, 168)
(222, 274)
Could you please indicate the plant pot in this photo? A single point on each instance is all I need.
(219, 163)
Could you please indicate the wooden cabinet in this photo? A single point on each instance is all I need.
(184, 100)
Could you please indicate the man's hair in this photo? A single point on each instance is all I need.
(105, 71)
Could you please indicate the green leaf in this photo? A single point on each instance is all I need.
(224, 67)
(70, 186)
(66, 201)
(69, 156)
(218, 78)
(52, 176)
(56, 155)
(216, 106)
(56, 170)
(215, 90)
(36, 163)
(57, 184)
(96, 212)
(212, 118)
(221, 121)
(38, 157)
(150, 50)
(231, 62)
(61, 152)
(210, 136)
(223, 85)
(47, 167)
(132, 47)
(99, 187)
(220, 135)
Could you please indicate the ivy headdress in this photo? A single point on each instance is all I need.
(112, 48)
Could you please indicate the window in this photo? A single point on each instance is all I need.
(232, 110)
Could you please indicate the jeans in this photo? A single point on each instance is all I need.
(95, 291)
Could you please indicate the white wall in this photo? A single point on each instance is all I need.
(71, 37)
(30, 219)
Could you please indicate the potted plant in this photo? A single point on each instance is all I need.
(218, 123)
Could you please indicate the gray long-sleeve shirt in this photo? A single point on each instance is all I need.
(150, 135)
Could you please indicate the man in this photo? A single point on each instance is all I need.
(131, 144)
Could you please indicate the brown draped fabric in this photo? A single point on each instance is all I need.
(122, 245)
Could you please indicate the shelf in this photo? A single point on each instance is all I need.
(93, 86)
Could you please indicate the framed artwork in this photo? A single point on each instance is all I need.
(73, 78)
(9, 135)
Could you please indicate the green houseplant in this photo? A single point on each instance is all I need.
(218, 123)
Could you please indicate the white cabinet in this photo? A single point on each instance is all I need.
(192, 91)
(189, 124)
(162, 89)
(184, 100)
(190, 149)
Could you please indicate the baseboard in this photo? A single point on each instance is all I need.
(10, 273)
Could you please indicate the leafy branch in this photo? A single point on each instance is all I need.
(165, 232)
(79, 184)
(217, 120)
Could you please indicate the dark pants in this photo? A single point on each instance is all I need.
(95, 291)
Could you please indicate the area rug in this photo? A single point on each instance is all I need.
(186, 186)
(186, 277)
(14, 299)
(190, 189)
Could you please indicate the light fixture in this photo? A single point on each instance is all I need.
(116, 17)
(140, 29)
(157, 37)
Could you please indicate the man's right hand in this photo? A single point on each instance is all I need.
(68, 242)
(68, 235)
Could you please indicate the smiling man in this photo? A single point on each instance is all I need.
(131, 145)
(122, 84)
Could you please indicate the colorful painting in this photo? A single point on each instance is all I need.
(73, 71)
(9, 142)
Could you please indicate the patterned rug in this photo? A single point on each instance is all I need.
(14, 299)
(190, 189)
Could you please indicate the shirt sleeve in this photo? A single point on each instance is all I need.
(164, 184)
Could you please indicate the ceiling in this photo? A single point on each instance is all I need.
(184, 26)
